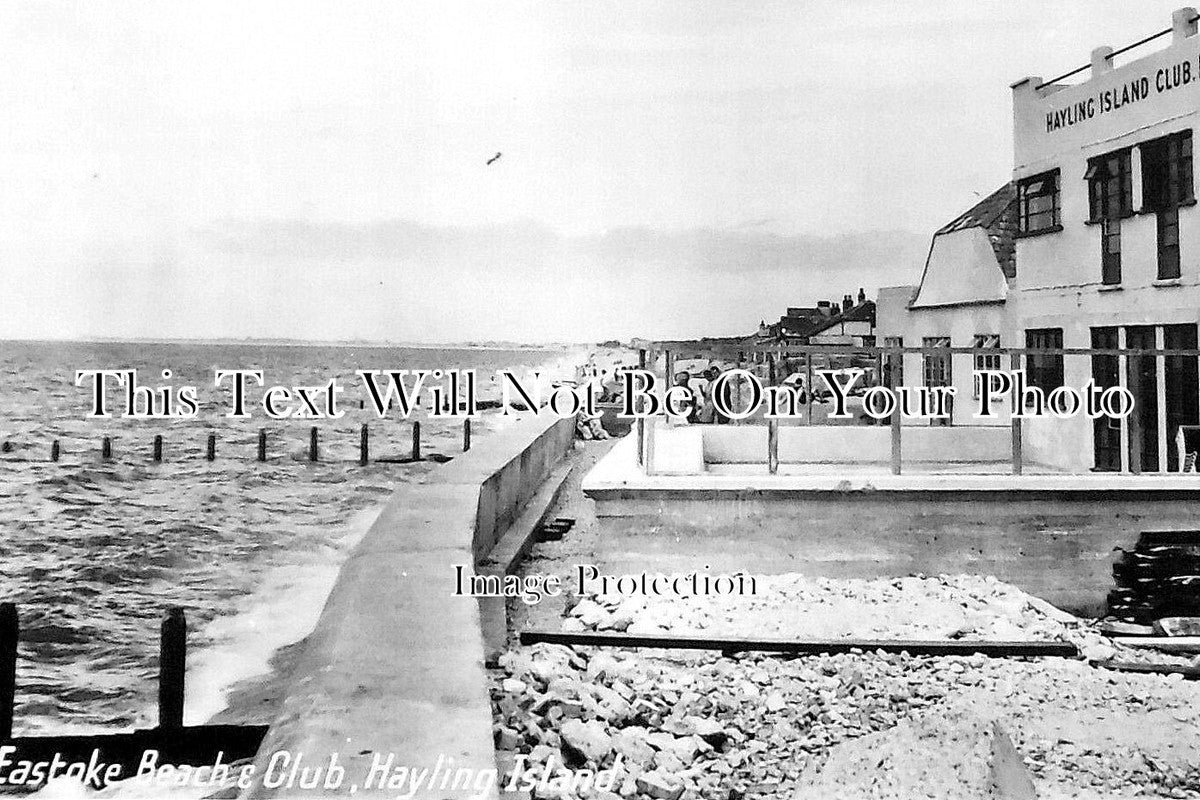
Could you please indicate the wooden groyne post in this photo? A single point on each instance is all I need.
(55, 450)
(157, 448)
(172, 664)
(466, 435)
(312, 444)
(262, 444)
(364, 445)
(416, 441)
(106, 448)
(211, 453)
(9, 631)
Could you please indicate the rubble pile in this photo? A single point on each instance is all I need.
(961, 607)
(940, 607)
(678, 725)
(713, 727)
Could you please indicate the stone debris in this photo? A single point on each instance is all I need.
(681, 725)
(960, 607)
(953, 754)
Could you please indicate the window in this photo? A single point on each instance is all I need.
(1167, 172)
(1110, 251)
(1168, 243)
(936, 366)
(986, 360)
(1044, 371)
(1110, 197)
(1038, 204)
(1110, 186)
(1166, 185)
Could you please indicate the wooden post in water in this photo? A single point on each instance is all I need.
(262, 444)
(172, 664)
(364, 452)
(466, 434)
(211, 453)
(312, 444)
(55, 450)
(9, 630)
(416, 441)
(106, 448)
(157, 448)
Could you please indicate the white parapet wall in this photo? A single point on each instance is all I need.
(850, 444)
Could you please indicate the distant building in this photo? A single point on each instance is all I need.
(850, 322)
(1094, 244)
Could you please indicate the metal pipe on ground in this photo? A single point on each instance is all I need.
(949, 647)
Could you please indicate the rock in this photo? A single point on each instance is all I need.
(1053, 612)
(586, 741)
(1098, 652)
(508, 739)
(656, 784)
(630, 743)
(950, 755)
(589, 612)
(709, 730)
(513, 686)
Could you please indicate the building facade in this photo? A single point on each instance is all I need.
(1094, 244)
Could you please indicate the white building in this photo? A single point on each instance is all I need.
(1095, 243)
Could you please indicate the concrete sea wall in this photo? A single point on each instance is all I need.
(395, 666)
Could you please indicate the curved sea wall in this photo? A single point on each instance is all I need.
(391, 683)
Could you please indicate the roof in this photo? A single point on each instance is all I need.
(997, 214)
(863, 312)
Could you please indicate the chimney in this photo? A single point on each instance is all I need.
(862, 296)
(823, 307)
(1101, 61)
(847, 303)
(1183, 24)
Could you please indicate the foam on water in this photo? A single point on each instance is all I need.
(95, 551)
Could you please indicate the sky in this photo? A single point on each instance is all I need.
(667, 169)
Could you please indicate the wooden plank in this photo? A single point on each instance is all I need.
(948, 647)
(1188, 673)
(1167, 644)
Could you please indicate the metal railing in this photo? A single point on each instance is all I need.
(889, 365)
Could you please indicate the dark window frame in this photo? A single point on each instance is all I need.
(935, 366)
(985, 360)
(1168, 184)
(1032, 217)
(1045, 370)
(1110, 185)
(1110, 251)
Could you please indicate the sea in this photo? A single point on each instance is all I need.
(95, 551)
